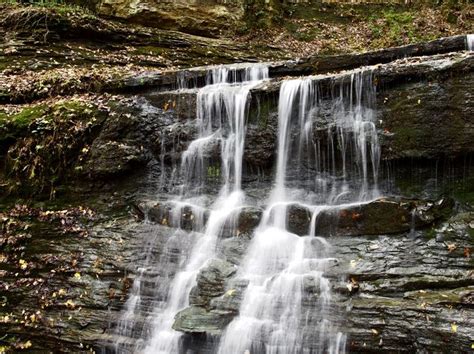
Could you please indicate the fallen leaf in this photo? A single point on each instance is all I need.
(451, 247)
(231, 292)
(454, 327)
(25, 345)
(23, 264)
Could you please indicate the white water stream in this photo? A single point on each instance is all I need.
(470, 42)
(279, 264)
(221, 114)
(287, 306)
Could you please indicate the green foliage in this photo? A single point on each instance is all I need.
(15, 126)
(22, 119)
(393, 26)
(61, 6)
(213, 171)
(260, 14)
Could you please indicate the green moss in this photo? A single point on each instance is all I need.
(60, 6)
(431, 233)
(213, 171)
(49, 141)
(463, 191)
(378, 302)
(24, 117)
(16, 125)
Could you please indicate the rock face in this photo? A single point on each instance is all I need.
(414, 292)
(195, 17)
(401, 87)
(414, 119)
(428, 121)
(381, 217)
(192, 218)
(401, 292)
(203, 316)
(135, 133)
(210, 282)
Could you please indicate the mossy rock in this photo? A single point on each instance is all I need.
(14, 126)
(42, 144)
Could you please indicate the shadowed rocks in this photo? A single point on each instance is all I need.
(380, 217)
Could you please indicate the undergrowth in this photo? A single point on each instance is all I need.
(57, 138)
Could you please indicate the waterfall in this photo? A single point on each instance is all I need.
(221, 114)
(470, 42)
(283, 270)
(287, 305)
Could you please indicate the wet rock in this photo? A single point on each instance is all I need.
(124, 143)
(242, 223)
(423, 131)
(187, 217)
(380, 217)
(428, 121)
(249, 218)
(211, 282)
(389, 330)
(413, 293)
(213, 316)
(231, 299)
(182, 103)
(260, 139)
(183, 216)
(198, 320)
(172, 140)
(233, 249)
(114, 158)
(299, 219)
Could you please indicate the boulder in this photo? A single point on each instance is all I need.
(299, 219)
(211, 282)
(195, 319)
(201, 18)
(233, 249)
(114, 158)
(183, 216)
(201, 317)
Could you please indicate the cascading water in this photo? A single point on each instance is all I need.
(221, 113)
(285, 271)
(287, 305)
(470, 42)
